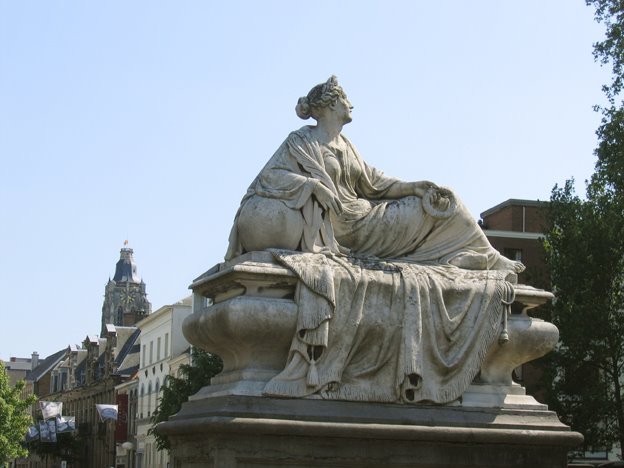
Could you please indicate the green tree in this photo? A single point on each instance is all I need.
(14, 417)
(192, 378)
(585, 252)
(608, 179)
(585, 249)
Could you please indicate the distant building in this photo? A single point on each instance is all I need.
(41, 377)
(88, 376)
(125, 431)
(18, 368)
(81, 376)
(125, 297)
(515, 228)
(162, 342)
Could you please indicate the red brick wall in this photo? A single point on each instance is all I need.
(499, 221)
(535, 219)
(510, 217)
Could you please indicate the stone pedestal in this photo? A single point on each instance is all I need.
(244, 311)
(239, 431)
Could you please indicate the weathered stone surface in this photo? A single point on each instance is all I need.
(247, 431)
(316, 193)
(253, 318)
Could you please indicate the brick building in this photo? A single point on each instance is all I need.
(516, 228)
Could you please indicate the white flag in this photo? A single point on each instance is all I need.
(107, 412)
(65, 424)
(51, 409)
(52, 428)
(47, 431)
(32, 434)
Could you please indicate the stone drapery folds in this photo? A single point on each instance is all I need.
(279, 211)
(373, 330)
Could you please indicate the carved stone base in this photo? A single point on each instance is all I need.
(244, 311)
(238, 431)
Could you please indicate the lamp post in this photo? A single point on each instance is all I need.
(128, 446)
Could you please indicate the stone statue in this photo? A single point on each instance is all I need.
(382, 296)
(400, 295)
(316, 194)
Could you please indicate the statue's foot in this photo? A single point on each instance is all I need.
(469, 261)
(504, 263)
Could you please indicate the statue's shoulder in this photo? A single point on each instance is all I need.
(304, 133)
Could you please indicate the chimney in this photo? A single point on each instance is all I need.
(35, 360)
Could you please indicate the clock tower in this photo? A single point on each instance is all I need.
(125, 299)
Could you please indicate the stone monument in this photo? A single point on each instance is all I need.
(362, 321)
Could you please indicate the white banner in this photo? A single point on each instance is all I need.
(51, 409)
(32, 434)
(107, 412)
(47, 431)
(65, 424)
(52, 429)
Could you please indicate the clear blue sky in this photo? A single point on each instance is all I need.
(147, 120)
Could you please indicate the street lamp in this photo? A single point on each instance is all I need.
(127, 446)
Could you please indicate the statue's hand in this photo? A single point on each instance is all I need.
(441, 199)
(439, 202)
(326, 198)
(419, 188)
(444, 192)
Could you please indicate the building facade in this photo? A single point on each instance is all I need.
(515, 228)
(125, 433)
(93, 373)
(18, 368)
(161, 342)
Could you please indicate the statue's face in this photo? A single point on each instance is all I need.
(343, 108)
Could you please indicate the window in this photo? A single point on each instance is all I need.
(142, 401)
(149, 399)
(151, 352)
(166, 344)
(144, 351)
(54, 381)
(158, 349)
(513, 254)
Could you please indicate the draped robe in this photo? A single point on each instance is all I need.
(382, 315)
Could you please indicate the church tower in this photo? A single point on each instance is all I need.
(125, 299)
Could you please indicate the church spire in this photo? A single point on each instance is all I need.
(125, 297)
(126, 269)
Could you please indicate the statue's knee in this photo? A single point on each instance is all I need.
(268, 223)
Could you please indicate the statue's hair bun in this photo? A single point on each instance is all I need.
(303, 108)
